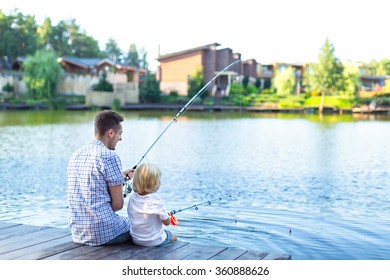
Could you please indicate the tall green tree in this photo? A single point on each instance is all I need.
(132, 57)
(69, 39)
(17, 35)
(143, 59)
(245, 81)
(44, 34)
(113, 51)
(25, 28)
(352, 80)
(284, 81)
(60, 37)
(196, 83)
(383, 67)
(42, 74)
(84, 45)
(7, 36)
(327, 75)
(150, 89)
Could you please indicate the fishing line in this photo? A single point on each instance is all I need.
(127, 186)
(171, 213)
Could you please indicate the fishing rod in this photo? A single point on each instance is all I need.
(128, 183)
(195, 206)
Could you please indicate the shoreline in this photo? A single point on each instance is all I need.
(231, 108)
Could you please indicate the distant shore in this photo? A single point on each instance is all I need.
(152, 106)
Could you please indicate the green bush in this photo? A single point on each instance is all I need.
(208, 101)
(103, 84)
(8, 88)
(267, 91)
(174, 93)
(116, 104)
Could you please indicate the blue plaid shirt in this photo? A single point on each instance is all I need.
(91, 171)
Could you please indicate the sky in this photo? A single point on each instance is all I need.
(265, 30)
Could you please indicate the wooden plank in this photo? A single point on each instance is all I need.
(72, 253)
(31, 243)
(276, 256)
(8, 231)
(26, 235)
(34, 248)
(16, 230)
(125, 253)
(252, 256)
(34, 241)
(6, 224)
(102, 252)
(47, 252)
(205, 253)
(182, 252)
(229, 254)
(156, 253)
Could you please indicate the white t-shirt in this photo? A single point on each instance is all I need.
(146, 213)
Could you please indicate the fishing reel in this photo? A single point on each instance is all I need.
(128, 184)
(127, 187)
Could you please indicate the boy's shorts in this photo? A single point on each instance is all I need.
(167, 240)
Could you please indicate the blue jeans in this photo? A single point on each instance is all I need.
(123, 238)
(167, 240)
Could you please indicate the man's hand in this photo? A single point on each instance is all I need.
(128, 173)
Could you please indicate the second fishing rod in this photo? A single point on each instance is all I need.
(128, 184)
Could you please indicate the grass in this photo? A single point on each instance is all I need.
(341, 102)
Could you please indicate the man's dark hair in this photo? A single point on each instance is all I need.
(106, 120)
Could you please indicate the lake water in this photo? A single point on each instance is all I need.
(315, 188)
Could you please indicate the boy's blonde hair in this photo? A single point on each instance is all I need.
(146, 178)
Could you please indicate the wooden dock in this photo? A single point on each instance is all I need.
(26, 242)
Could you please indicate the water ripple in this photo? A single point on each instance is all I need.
(310, 189)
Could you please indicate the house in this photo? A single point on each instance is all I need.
(175, 69)
(265, 72)
(249, 69)
(371, 85)
(124, 78)
(79, 65)
(133, 74)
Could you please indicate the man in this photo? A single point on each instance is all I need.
(95, 184)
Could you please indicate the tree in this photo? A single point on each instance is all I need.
(17, 35)
(85, 46)
(44, 34)
(150, 89)
(327, 75)
(284, 81)
(113, 51)
(245, 81)
(25, 28)
(144, 59)
(7, 36)
(132, 57)
(383, 67)
(258, 83)
(196, 83)
(60, 37)
(42, 73)
(68, 39)
(352, 80)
